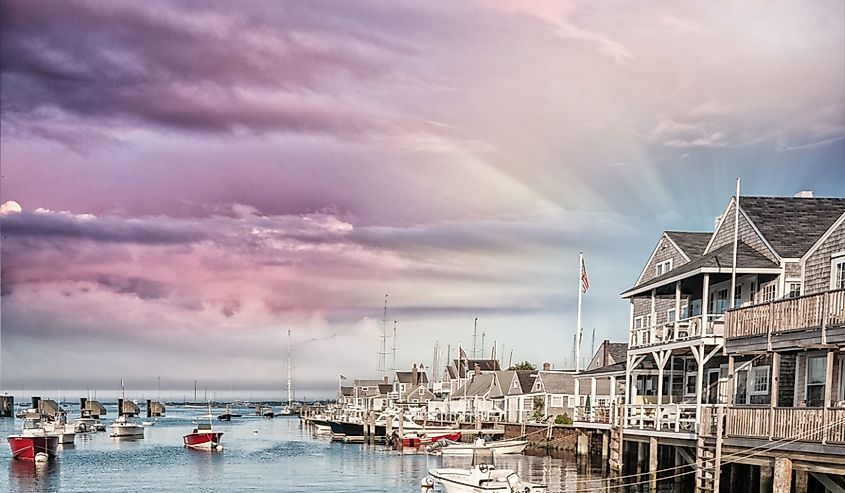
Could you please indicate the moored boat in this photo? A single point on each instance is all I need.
(420, 439)
(126, 426)
(481, 477)
(203, 438)
(447, 447)
(33, 440)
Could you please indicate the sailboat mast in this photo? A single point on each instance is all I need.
(290, 388)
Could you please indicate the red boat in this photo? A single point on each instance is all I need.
(203, 438)
(415, 440)
(33, 440)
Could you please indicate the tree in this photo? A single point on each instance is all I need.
(525, 365)
(539, 405)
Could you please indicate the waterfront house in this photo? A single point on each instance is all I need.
(552, 394)
(411, 387)
(771, 365)
(600, 388)
(518, 403)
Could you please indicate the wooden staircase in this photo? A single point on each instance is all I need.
(705, 467)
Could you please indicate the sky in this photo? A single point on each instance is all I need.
(184, 182)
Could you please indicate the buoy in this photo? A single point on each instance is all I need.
(41, 457)
(426, 483)
(219, 448)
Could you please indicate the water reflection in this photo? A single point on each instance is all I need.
(29, 477)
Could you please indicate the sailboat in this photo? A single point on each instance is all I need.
(126, 425)
(288, 409)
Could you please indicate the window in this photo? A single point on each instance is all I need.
(738, 296)
(643, 321)
(816, 376)
(663, 267)
(794, 289)
(557, 401)
(837, 272)
(670, 315)
(719, 302)
(758, 380)
(422, 391)
(768, 292)
(689, 383)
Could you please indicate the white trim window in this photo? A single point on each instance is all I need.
(837, 271)
(768, 292)
(557, 401)
(793, 289)
(758, 380)
(670, 315)
(816, 380)
(690, 380)
(662, 267)
(642, 322)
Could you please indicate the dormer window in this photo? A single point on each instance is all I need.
(663, 267)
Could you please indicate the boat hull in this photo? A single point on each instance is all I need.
(417, 440)
(203, 440)
(127, 431)
(25, 448)
(498, 448)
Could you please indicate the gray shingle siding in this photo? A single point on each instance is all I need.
(665, 251)
(817, 265)
(725, 234)
(792, 270)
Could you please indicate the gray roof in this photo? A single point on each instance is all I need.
(746, 257)
(368, 383)
(526, 379)
(692, 243)
(618, 351)
(478, 385)
(555, 382)
(483, 364)
(405, 377)
(792, 225)
(602, 370)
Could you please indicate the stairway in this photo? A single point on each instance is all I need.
(705, 465)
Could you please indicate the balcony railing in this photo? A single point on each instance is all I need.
(800, 313)
(799, 424)
(680, 330)
(595, 414)
(665, 417)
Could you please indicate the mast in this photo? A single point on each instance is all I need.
(290, 387)
(475, 338)
(394, 347)
(382, 354)
(578, 326)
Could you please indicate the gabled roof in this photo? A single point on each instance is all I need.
(555, 382)
(385, 388)
(478, 386)
(692, 243)
(406, 377)
(368, 383)
(618, 351)
(719, 259)
(616, 368)
(526, 379)
(792, 225)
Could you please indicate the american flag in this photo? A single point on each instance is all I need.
(462, 354)
(585, 282)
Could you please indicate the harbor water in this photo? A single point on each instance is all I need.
(272, 455)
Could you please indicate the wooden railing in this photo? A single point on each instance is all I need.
(680, 330)
(672, 417)
(593, 414)
(801, 313)
(798, 424)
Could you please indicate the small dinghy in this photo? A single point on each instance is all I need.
(204, 438)
(481, 477)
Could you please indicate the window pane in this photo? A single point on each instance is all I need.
(816, 369)
(815, 395)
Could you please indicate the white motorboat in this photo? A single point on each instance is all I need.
(448, 447)
(126, 426)
(66, 433)
(88, 425)
(481, 477)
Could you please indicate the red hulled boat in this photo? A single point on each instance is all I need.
(203, 438)
(417, 440)
(33, 440)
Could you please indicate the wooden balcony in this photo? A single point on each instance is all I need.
(687, 329)
(816, 311)
(799, 424)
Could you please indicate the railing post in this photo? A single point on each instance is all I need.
(770, 325)
(825, 311)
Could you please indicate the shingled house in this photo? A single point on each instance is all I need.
(774, 362)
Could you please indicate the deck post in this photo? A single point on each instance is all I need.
(698, 353)
(641, 460)
(592, 399)
(628, 391)
(660, 358)
(653, 317)
(773, 398)
(717, 459)
(705, 298)
(801, 481)
(827, 395)
(605, 448)
(577, 393)
(782, 475)
(765, 479)
(677, 309)
(652, 464)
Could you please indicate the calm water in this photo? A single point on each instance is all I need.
(281, 456)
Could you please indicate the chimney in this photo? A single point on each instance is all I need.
(804, 194)
(547, 366)
(385, 380)
(414, 375)
(477, 369)
(606, 353)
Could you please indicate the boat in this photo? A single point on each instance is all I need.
(420, 439)
(448, 447)
(88, 425)
(203, 437)
(482, 476)
(66, 433)
(33, 441)
(126, 425)
(148, 423)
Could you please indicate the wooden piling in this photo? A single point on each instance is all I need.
(679, 480)
(652, 464)
(766, 479)
(782, 482)
(801, 478)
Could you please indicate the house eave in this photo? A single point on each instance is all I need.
(701, 270)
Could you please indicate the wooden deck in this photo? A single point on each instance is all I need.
(816, 311)
(688, 329)
(811, 425)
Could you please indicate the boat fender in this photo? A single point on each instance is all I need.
(41, 457)
(426, 483)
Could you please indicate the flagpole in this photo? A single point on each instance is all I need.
(578, 326)
(736, 241)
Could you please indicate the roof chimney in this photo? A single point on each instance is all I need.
(547, 366)
(385, 379)
(606, 353)
(804, 194)
(477, 369)
(414, 375)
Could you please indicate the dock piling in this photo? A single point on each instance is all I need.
(782, 475)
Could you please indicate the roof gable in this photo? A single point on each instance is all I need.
(692, 243)
(792, 225)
